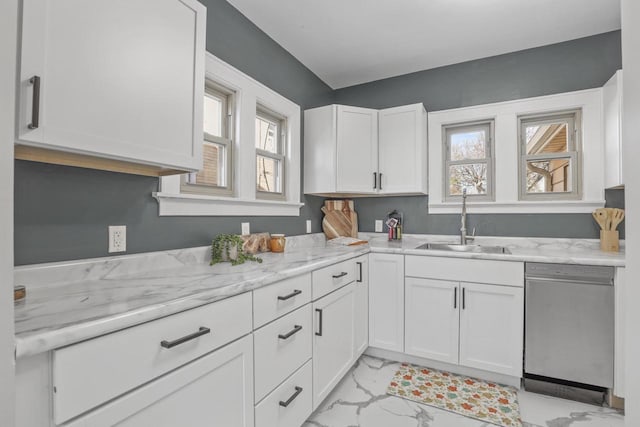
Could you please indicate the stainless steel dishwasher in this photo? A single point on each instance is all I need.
(569, 330)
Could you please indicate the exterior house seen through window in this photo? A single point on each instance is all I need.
(270, 159)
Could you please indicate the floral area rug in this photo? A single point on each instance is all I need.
(485, 401)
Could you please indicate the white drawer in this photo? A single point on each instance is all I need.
(92, 372)
(328, 279)
(280, 298)
(508, 273)
(271, 412)
(281, 347)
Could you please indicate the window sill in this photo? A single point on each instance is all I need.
(198, 205)
(565, 206)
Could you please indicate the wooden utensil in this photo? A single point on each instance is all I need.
(600, 216)
(616, 218)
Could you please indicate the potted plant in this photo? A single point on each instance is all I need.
(228, 248)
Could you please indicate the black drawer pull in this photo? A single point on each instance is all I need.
(202, 331)
(292, 398)
(464, 299)
(296, 329)
(360, 275)
(455, 297)
(319, 333)
(380, 181)
(337, 276)
(291, 295)
(375, 180)
(35, 107)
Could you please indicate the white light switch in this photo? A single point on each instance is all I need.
(246, 229)
(378, 226)
(308, 226)
(117, 238)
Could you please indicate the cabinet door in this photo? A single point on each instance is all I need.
(386, 301)
(619, 369)
(214, 390)
(432, 319)
(118, 79)
(362, 305)
(402, 149)
(333, 341)
(357, 149)
(612, 109)
(492, 328)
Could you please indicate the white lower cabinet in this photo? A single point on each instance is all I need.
(432, 319)
(333, 340)
(386, 301)
(492, 328)
(290, 404)
(214, 390)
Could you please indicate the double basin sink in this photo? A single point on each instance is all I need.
(465, 248)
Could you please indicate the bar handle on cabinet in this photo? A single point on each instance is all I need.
(455, 297)
(380, 181)
(375, 180)
(337, 276)
(169, 344)
(35, 107)
(319, 311)
(463, 298)
(296, 329)
(292, 398)
(291, 295)
(360, 272)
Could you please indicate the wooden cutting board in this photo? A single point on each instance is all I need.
(340, 219)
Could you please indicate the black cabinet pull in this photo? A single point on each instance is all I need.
(291, 295)
(35, 107)
(292, 398)
(319, 311)
(380, 181)
(463, 298)
(296, 328)
(375, 180)
(360, 275)
(202, 331)
(455, 297)
(337, 276)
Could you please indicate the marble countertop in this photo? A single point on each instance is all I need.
(74, 301)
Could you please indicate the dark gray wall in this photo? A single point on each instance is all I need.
(578, 64)
(62, 213)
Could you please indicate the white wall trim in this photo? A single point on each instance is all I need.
(248, 93)
(172, 204)
(505, 116)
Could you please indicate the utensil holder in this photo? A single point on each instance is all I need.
(610, 240)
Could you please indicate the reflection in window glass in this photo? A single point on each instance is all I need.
(213, 115)
(267, 135)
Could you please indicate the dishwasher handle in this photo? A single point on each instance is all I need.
(579, 281)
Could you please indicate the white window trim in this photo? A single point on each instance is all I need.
(248, 94)
(506, 155)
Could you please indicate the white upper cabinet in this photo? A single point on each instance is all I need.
(117, 80)
(402, 150)
(361, 151)
(612, 110)
(356, 150)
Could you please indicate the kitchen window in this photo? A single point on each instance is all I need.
(549, 161)
(270, 140)
(468, 160)
(216, 176)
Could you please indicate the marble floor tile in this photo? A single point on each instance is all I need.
(360, 400)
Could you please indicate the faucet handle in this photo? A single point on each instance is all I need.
(473, 235)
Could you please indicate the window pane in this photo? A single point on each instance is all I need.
(468, 145)
(473, 177)
(213, 115)
(267, 135)
(268, 174)
(549, 176)
(214, 173)
(547, 138)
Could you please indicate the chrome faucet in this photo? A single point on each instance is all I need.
(463, 221)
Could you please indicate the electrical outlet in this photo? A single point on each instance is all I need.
(246, 228)
(378, 226)
(117, 238)
(308, 226)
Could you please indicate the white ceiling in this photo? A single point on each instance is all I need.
(347, 42)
